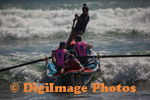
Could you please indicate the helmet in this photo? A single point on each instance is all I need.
(71, 56)
(78, 37)
(62, 44)
(85, 7)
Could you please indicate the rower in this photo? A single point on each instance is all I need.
(59, 56)
(81, 48)
(72, 64)
(81, 24)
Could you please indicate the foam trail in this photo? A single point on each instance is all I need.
(19, 23)
(126, 70)
(120, 20)
(29, 72)
(114, 71)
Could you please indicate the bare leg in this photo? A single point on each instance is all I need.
(72, 35)
(80, 33)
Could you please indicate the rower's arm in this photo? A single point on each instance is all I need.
(67, 52)
(89, 46)
(63, 69)
(74, 49)
(78, 17)
(81, 20)
(53, 58)
(82, 68)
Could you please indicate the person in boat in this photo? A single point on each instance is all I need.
(59, 56)
(81, 48)
(72, 64)
(81, 24)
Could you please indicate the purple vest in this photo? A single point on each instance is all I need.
(60, 56)
(81, 48)
(72, 66)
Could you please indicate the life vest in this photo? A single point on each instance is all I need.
(72, 42)
(81, 48)
(72, 65)
(60, 56)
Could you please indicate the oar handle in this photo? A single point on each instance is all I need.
(98, 56)
(74, 20)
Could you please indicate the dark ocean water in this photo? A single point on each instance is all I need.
(30, 29)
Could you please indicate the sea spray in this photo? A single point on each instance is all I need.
(19, 23)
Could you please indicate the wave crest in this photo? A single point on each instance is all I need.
(19, 23)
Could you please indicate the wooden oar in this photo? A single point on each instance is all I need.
(73, 24)
(98, 56)
(43, 59)
(112, 56)
(71, 35)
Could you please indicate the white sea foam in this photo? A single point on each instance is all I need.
(117, 70)
(18, 23)
(124, 70)
(28, 72)
(120, 20)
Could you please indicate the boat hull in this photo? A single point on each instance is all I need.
(73, 77)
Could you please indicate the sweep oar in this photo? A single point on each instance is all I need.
(117, 56)
(97, 56)
(43, 59)
(112, 56)
(71, 35)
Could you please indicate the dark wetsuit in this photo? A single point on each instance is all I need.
(81, 25)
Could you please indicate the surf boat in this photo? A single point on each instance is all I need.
(73, 77)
